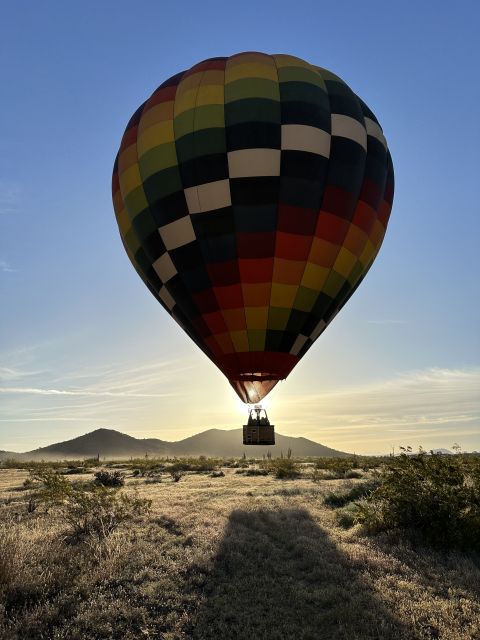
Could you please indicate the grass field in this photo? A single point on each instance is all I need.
(224, 558)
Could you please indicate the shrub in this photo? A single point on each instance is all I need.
(99, 512)
(354, 493)
(352, 474)
(53, 489)
(175, 473)
(109, 479)
(151, 479)
(336, 467)
(285, 469)
(256, 472)
(317, 475)
(348, 515)
(70, 471)
(435, 496)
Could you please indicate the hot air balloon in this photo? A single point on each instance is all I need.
(252, 194)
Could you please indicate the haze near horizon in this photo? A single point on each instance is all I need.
(83, 344)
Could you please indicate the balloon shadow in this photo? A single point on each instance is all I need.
(279, 576)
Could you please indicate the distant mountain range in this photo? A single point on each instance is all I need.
(108, 443)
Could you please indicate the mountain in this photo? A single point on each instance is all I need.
(108, 443)
(103, 442)
(219, 442)
(4, 455)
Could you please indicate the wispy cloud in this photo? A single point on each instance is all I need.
(81, 392)
(9, 374)
(5, 267)
(116, 394)
(387, 321)
(430, 403)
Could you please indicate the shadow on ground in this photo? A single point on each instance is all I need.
(278, 576)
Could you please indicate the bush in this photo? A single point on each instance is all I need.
(70, 471)
(352, 474)
(252, 472)
(256, 472)
(433, 496)
(317, 475)
(109, 479)
(336, 467)
(99, 512)
(151, 479)
(175, 473)
(53, 488)
(348, 515)
(285, 469)
(354, 493)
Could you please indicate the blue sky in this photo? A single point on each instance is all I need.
(82, 342)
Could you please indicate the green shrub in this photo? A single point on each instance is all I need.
(99, 512)
(70, 471)
(347, 516)
(336, 467)
(175, 473)
(352, 474)
(52, 489)
(285, 469)
(433, 496)
(109, 479)
(354, 493)
(255, 472)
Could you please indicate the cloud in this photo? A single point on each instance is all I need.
(387, 321)
(81, 392)
(430, 403)
(5, 267)
(10, 373)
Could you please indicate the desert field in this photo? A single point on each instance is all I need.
(225, 557)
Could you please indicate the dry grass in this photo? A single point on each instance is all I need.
(229, 557)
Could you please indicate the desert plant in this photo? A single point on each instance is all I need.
(175, 473)
(153, 479)
(436, 497)
(99, 512)
(53, 488)
(256, 472)
(360, 490)
(336, 467)
(317, 475)
(353, 474)
(109, 479)
(285, 469)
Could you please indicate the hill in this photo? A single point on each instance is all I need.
(4, 455)
(109, 443)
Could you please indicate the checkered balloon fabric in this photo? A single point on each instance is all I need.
(252, 194)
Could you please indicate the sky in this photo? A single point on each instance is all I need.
(83, 344)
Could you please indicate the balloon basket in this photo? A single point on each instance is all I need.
(258, 430)
(260, 435)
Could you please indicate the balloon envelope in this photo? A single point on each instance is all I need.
(252, 194)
